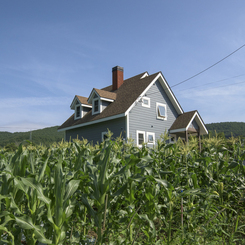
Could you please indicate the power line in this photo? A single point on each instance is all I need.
(227, 85)
(208, 67)
(211, 82)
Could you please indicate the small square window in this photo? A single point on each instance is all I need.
(146, 102)
(150, 138)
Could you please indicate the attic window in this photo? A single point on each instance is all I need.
(146, 102)
(161, 110)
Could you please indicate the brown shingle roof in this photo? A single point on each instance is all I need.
(183, 120)
(126, 95)
(83, 100)
(106, 94)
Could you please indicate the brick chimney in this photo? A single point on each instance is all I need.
(117, 77)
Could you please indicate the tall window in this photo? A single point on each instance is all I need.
(140, 137)
(78, 112)
(161, 110)
(96, 106)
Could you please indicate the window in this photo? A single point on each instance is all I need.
(146, 102)
(161, 110)
(96, 106)
(172, 138)
(77, 112)
(140, 136)
(150, 137)
(104, 136)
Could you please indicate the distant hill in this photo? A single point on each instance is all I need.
(50, 135)
(228, 128)
(44, 136)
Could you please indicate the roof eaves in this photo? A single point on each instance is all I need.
(91, 122)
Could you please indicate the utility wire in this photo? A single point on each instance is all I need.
(208, 67)
(227, 85)
(211, 82)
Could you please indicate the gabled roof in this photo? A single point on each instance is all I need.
(82, 100)
(183, 122)
(102, 94)
(124, 98)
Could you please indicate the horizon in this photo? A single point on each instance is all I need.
(59, 125)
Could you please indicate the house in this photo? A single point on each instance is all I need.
(141, 108)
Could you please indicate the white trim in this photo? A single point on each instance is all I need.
(99, 106)
(177, 130)
(166, 114)
(147, 141)
(191, 120)
(166, 89)
(137, 137)
(200, 122)
(91, 96)
(145, 75)
(127, 126)
(84, 105)
(149, 102)
(93, 122)
(106, 99)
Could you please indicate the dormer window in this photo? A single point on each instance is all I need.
(77, 111)
(96, 106)
(80, 106)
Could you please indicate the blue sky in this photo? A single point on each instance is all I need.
(52, 50)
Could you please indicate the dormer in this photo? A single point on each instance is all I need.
(100, 99)
(81, 106)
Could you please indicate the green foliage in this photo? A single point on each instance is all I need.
(227, 129)
(44, 136)
(115, 193)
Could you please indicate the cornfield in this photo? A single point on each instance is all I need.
(115, 193)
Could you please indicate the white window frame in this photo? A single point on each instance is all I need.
(137, 137)
(99, 106)
(147, 135)
(149, 102)
(78, 117)
(163, 105)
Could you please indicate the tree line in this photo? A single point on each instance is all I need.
(50, 135)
